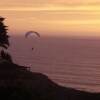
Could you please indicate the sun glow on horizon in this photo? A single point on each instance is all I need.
(73, 17)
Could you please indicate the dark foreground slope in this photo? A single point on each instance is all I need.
(18, 83)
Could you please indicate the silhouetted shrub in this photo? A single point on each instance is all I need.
(5, 56)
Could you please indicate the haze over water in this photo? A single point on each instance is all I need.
(73, 62)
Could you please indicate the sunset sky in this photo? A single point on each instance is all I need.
(52, 17)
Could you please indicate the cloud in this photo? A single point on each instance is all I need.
(25, 3)
(83, 8)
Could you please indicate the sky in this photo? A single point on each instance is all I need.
(52, 17)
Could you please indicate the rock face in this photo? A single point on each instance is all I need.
(18, 83)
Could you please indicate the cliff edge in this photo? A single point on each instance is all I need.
(19, 83)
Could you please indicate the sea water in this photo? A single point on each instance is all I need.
(70, 62)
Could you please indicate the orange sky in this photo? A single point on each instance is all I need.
(53, 17)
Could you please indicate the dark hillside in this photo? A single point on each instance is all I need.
(18, 83)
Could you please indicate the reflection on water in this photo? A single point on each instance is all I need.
(68, 61)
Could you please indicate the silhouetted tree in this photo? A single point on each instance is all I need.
(3, 34)
(4, 42)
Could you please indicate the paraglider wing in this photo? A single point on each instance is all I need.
(32, 32)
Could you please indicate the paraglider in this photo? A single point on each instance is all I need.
(32, 48)
(27, 34)
(32, 32)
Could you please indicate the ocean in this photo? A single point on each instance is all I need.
(70, 62)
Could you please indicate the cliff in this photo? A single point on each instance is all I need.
(19, 83)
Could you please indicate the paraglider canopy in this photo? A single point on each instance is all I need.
(32, 32)
(27, 34)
